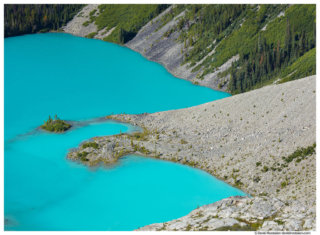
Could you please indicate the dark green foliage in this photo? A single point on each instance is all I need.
(90, 144)
(56, 125)
(257, 179)
(265, 169)
(83, 156)
(302, 67)
(300, 153)
(22, 19)
(266, 56)
(92, 12)
(86, 23)
(210, 23)
(284, 184)
(258, 163)
(128, 18)
(91, 35)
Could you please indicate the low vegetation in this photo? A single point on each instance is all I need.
(300, 154)
(90, 144)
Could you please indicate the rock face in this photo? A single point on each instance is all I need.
(244, 140)
(237, 213)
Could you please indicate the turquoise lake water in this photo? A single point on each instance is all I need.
(80, 79)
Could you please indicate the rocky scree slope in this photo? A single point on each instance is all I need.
(245, 140)
(243, 214)
(76, 26)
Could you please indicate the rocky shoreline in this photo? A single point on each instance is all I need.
(243, 214)
(247, 140)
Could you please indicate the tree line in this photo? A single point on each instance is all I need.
(22, 19)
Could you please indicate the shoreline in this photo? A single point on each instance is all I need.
(159, 62)
(126, 119)
(183, 136)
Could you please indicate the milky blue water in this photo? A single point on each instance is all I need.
(80, 79)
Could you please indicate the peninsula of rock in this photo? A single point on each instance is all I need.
(262, 142)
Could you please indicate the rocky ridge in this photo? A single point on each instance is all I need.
(245, 140)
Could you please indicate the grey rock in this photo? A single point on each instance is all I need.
(218, 223)
(292, 225)
(308, 224)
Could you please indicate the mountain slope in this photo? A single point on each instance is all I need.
(235, 48)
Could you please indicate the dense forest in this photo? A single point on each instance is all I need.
(22, 19)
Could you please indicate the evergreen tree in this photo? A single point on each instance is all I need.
(288, 38)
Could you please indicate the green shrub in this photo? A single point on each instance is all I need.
(82, 156)
(92, 12)
(90, 144)
(284, 184)
(300, 153)
(183, 141)
(265, 169)
(91, 35)
(86, 23)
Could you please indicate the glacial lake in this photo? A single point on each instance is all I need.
(80, 79)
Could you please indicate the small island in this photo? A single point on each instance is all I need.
(55, 125)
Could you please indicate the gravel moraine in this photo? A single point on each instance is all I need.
(243, 140)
